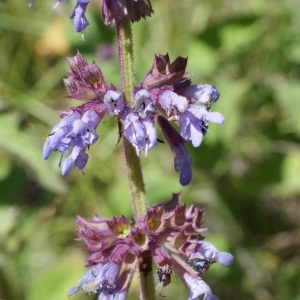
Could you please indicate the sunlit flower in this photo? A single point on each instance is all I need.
(80, 21)
(140, 132)
(75, 131)
(165, 94)
(182, 160)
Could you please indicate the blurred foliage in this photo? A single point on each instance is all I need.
(246, 172)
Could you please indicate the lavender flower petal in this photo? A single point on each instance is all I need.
(191, 128)
(88, 281)
(173, 103)
(114, 103)
(182, 163)
(60, 131)
(209, 251)
(214, 117)
(150, 140)
(182, 160)
(140, 132)
(75, 130)
(133, 129)
(197, 288)
(204, 93)
(194, 123)
(192, 281)
(80, 21)
(143, 103)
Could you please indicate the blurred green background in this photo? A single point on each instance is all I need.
(246, 172)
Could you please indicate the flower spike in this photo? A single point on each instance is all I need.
(170, 235)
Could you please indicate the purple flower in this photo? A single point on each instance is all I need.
(204, 93)
(209, 251)
(193, 123)
(173, 104)
(197, 288)
(88, 281)
(182, 160)
(192, 281)
(170, 234)
(121, 286)
(100, 278)
(140, 132)
(80, 21)
(143, 103)
(73, 130)
(165, 90)
(114, 103)
(182, 163)
(105, 280)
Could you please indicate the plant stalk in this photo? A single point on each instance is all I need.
(132, 161)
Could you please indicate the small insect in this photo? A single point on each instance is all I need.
(164, 275)
(106, 287)
(201, 262)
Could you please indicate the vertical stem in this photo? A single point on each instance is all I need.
(132, 161)
(125, 43)
(135, 180)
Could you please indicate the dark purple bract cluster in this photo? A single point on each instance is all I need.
(170, 234)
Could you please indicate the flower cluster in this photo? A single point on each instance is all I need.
(170, 234)
(112, 10)
(165, 94)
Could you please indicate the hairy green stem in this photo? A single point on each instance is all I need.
(132, 161)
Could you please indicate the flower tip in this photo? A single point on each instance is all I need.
(214, 95)
(80, 21)
(185, 175)
(73, 291)
(67, 166)
(215, 117)
(46, 150)
(225, 259)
